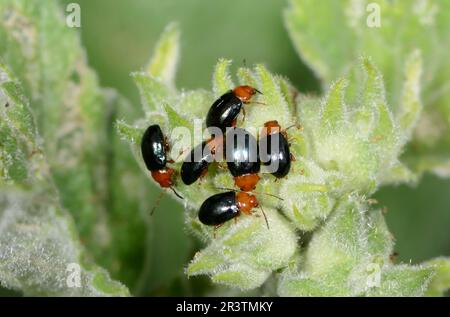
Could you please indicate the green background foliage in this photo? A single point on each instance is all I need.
(118, 37)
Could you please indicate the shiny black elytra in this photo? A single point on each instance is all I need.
(222, 207)
(218, 209)
(225, 110)
(192, 169)
(153, 148)
(241, 152)
(280, 156)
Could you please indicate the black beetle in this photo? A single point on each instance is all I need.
(278, 157)
(154, 147)
(222, 207)
(197, 161)
(225, 110)
(241, 153)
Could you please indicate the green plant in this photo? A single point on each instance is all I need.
(71, 193)
(407, 26)
(337, 170)
(44, 174)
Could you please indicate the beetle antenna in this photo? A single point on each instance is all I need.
(271, 195)
(175, 192)
(172, 161)
(265, 217)
(259, 92)
(296, 125)
(259, 193)
(181, 153)
(215, 229)
(258, 103)
(226, 188)
(157, 202)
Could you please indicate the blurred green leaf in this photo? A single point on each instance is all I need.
(38, 239)
(331, 43)
(96, 176)
(69, 109)
(440, 282)
(140, 239)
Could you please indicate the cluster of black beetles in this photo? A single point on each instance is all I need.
(245, 169)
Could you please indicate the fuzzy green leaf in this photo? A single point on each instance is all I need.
(163, 64)
(195, 103)
(132, 135)
(38, 241)
(308, 199)
(221, 79)
(246, 76)
(334, 109)
(410, 106)
(39, 248)
(403, 280)
(68, 105)
(153, 91)
(361, 154)
(244, 254)
(440, 282)
(330, 45)
(349, 256)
